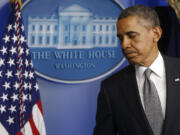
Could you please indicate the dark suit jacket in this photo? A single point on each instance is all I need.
(120, 109)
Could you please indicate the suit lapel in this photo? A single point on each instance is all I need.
(173, 99)
(133, 98)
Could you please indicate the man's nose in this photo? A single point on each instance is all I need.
(125, 43)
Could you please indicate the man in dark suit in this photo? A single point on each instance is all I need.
(144, 97)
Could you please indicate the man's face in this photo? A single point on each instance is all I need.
(139, 43)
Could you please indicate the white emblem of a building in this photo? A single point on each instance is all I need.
(72, 27)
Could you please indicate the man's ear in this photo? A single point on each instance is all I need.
(157, 33)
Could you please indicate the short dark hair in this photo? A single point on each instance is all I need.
(146, 13)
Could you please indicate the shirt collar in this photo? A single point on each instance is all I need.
(157, 67)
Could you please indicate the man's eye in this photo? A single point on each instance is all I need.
(132, 36)
(120, 38)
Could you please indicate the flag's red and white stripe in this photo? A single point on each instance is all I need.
(35, 126)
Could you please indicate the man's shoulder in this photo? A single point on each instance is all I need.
(120, 76)
(172, 66)
(170, 61)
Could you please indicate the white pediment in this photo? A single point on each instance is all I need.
(75, 8)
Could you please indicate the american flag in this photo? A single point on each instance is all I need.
(20, 103)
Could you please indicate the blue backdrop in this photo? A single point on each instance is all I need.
(69, 109)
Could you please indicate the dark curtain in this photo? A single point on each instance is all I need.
(169, 44)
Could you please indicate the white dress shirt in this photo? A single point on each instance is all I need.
(158, 76)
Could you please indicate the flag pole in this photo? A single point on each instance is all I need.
(19, 2)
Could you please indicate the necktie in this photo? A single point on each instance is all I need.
(153, 109)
